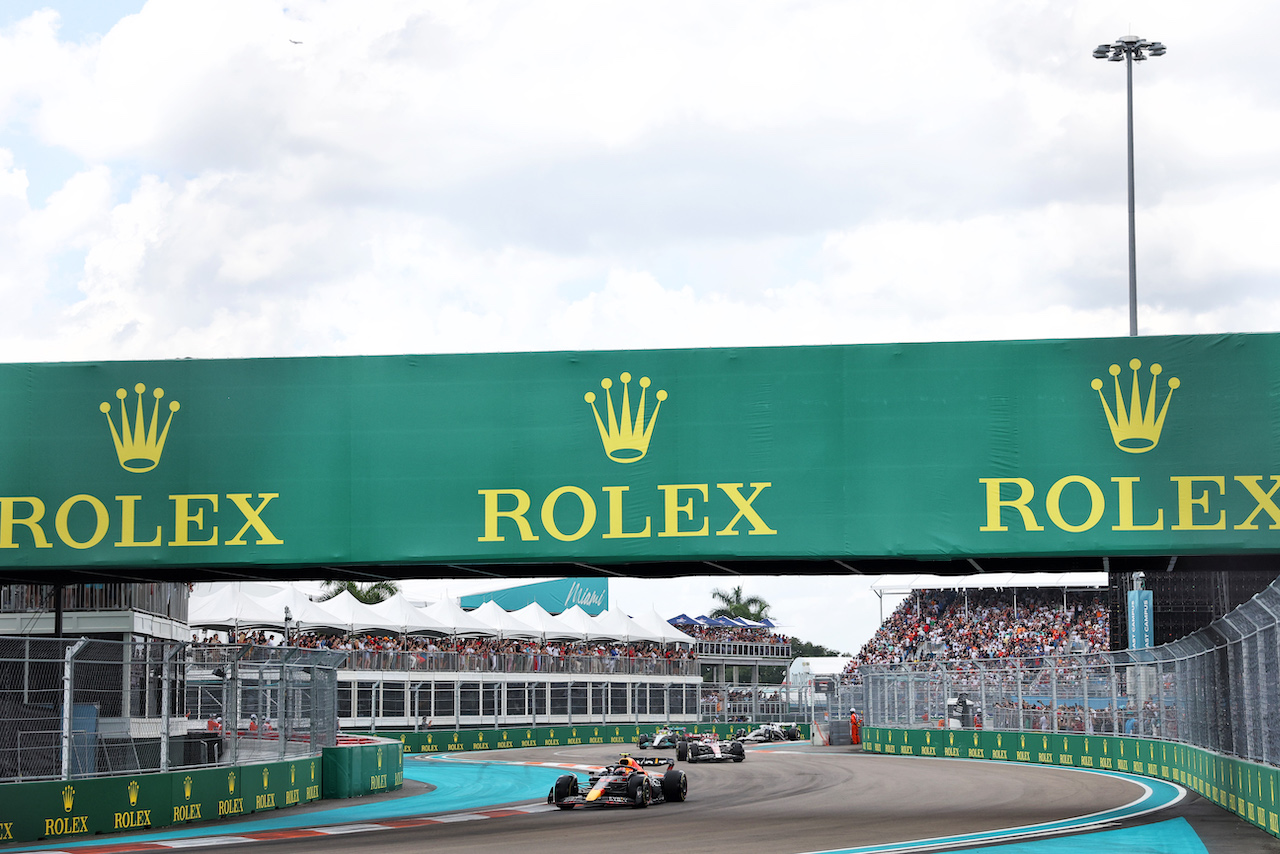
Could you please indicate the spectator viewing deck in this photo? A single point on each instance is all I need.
(1027, 623)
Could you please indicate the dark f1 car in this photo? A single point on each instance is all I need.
(769, 732)
(623, 784)
(712, 749)
(664, 737)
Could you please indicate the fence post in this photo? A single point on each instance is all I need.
(166, 703)
(1053, 688)
(67, 696)
(231, 707)
(1021, 711)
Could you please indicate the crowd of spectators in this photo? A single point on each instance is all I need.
(1131, 718)
(488, 653)
(730, 704)
(493, 647)
(737, 634)
(1022, 623)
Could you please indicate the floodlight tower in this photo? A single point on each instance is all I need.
(1130, 49)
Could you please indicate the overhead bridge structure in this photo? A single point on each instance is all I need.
(1100, 454)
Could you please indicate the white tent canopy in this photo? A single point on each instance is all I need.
(305, 613)
(448, 612)
(358, 616)
(228, 610)
(406, 618)
(580, 621)
(549, 626)
(232, 606)
(504, 624)
(616, 625)
(668, 633)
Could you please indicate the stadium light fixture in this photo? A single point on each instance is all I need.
(1130, 49)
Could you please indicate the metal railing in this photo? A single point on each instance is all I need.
(72, 708)
(727, 703)
(166, 600)
(743, 649)
(1217, 688)
(517, 662)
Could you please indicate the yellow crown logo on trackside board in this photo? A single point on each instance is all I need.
(626, 439)
(1133, 429)
(138, 447)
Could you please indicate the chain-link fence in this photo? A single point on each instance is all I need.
(1216, 688)
(80, 708)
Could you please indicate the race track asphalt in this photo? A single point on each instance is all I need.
(786, 799)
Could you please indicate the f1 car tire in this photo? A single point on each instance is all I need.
(694, 753)
(675, 785)
(566, 786)
(638, 791)
(793, 734)
(682, 751)
(737, 751)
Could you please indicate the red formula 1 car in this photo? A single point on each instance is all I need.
(625, 783)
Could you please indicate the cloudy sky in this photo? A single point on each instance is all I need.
(217, 178)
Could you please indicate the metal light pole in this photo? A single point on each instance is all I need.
(1131, 49)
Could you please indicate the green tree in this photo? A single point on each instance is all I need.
(774, 674)
(804, 649)
(733, 604)
(370, 593)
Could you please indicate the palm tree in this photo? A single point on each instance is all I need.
(732, 604)
(370, 594)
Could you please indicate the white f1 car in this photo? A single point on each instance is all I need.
(710, 748)
(769, 732)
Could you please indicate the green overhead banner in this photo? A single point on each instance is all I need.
(1104, 446)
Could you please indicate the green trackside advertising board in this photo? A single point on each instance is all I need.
(363, 769)
(624, 737)
(1247, 789)
(72, 809)
(1104, 446)
(501, 739)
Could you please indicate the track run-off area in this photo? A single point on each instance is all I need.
(784, 799)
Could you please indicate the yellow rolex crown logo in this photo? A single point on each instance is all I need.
(186, 788)
(231, 783)
(68, 798)
(625, 438)
(133, 793)
(1133, 429)
(265, 772)
(138, 447)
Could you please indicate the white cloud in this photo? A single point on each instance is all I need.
(236, 179)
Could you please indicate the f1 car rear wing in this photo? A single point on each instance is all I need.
(650, 761)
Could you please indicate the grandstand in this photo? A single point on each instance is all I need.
(444, 666)
(988, 616)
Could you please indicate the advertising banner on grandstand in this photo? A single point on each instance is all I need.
(1141, 613)
(1104, 446)
(589, 594)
